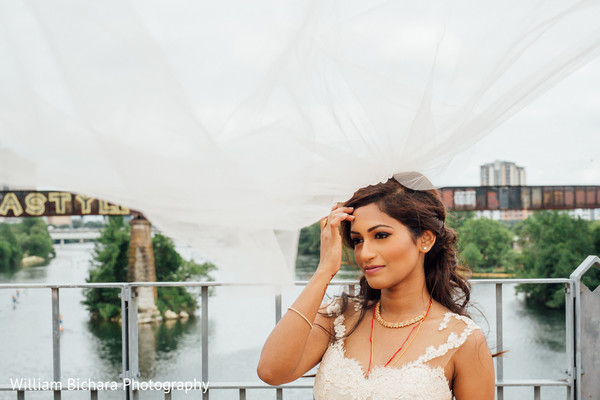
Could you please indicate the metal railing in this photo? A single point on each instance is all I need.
(577, 337)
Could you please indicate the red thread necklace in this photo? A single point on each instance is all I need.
(371, 338)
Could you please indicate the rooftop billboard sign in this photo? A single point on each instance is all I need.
(53, 203)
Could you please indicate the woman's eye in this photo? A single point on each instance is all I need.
(381, 235)
(355, 241)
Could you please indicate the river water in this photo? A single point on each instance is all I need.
(239, 322)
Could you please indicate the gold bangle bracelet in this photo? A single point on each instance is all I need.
(302, 315)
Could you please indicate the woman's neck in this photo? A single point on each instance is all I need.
(402, 303)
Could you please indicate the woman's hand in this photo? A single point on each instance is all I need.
(331, 239)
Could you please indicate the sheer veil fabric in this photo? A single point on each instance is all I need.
(232, 124)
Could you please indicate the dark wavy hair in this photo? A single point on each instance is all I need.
(419, 211)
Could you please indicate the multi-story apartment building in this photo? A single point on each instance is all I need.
(504, 173)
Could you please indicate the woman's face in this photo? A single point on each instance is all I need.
(384, 248)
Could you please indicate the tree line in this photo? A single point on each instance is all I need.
(26, 239)
(548, 244)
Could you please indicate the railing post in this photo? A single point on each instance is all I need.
(277, 308)
(570, 336)
(129, 340)
(499, 344)
(278, 391)
(134, 359)
(56, 339)
(205, 339)
(586, 333)
(577, 370)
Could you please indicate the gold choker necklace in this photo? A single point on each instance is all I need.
(402, 324)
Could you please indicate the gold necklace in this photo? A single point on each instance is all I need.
(402, 324)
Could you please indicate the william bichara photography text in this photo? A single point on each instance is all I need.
(29, 384)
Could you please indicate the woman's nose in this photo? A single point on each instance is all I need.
(367, 253)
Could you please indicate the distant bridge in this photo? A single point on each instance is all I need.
(467, 198)
(60, 235)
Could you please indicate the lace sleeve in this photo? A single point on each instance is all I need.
(454, 341)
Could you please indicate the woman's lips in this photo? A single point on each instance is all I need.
(371, 269)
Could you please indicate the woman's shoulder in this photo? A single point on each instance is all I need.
(452, 321)
(463, 334)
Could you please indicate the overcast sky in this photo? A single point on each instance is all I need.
(556, 138)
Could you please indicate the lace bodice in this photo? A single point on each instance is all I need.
(340, 377)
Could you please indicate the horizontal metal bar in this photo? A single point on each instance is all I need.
(8, 388)
(335, 283)
(537, 382)
(344, 282)
(296, 385)
(509, 281)
(119, 285)
(116, 285)
(167, 385)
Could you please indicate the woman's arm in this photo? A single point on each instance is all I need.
(474, 370)
(293, 348)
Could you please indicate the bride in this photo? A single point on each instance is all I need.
(407, 334)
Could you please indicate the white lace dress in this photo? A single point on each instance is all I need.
(340, 377)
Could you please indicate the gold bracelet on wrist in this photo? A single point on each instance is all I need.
(302, 315)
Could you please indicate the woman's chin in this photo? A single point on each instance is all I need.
(375, 283)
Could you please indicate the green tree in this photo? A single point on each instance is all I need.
(489, 237)
(11, 254)
(310, 240)
(456, 219)
(170, 266)
(471, 257)
(34, 238)
(596, 237)
(110, 264)
(553, 245)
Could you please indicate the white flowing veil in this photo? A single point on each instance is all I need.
(232, 124)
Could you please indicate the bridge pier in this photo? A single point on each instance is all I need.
(141, 269)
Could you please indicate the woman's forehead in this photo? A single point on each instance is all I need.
(370, 215)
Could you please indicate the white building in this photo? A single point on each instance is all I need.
(588, 214)
(502, 173)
